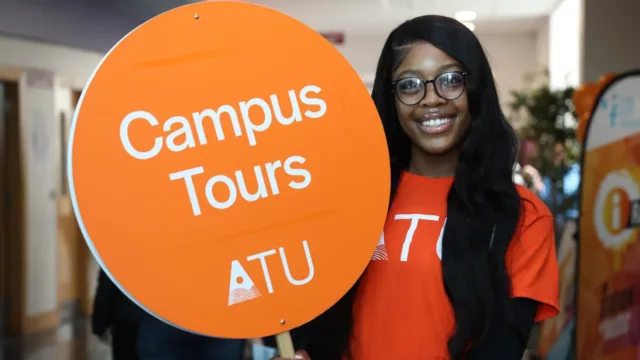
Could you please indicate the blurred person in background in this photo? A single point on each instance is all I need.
(115, 319)
(530, 174)
(529, 177)
(561, 187)
(136, 335)
(471, 262)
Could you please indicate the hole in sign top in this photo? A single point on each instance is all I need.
(229, 170)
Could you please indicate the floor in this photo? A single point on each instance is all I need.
(72, 341)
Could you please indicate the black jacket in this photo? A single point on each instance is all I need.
(112, 308)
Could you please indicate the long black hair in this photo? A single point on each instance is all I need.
(483, 205)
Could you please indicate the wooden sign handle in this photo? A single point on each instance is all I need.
(285, 345)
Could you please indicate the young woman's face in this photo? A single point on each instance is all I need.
(436, 121)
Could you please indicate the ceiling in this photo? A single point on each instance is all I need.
(379, 16)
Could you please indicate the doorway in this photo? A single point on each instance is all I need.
(68, 295)
(3, 260)
(86, 273)
(71, 247)
(11, 210)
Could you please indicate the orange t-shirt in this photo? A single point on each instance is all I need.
(402, 310)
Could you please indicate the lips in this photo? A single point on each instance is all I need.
(436, 124)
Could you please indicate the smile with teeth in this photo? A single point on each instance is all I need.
(436, 122)
(436, 126)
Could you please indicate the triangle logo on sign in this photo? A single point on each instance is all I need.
(241, 287)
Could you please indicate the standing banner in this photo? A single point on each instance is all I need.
(229, 170)
(608, 302)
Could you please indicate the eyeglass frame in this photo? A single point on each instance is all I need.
(435, 88)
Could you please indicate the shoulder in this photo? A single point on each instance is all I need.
(532, 208)
(533, 243)
(531, 258)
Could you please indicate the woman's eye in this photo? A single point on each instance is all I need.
(451, 80)
(410, 86)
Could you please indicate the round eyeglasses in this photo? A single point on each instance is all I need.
(412, 90)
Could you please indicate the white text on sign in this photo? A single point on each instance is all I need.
(241, 285)
(239, 185)
(251, 128)
(178, 127)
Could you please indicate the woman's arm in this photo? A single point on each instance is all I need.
(507, 340)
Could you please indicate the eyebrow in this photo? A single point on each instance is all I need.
(440, 69)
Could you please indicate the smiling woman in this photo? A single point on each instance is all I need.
(466, 263)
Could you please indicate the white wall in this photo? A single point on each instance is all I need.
(588, 38)
(542, 45)
(565, 44)
(513, 58)
(72, 66)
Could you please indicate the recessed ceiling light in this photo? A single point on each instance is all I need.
(469, 24)
(465, 16)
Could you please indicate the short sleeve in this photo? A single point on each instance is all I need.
(533, 267)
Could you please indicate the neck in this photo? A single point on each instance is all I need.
(433, 166)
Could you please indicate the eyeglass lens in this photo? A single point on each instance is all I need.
(448, 86)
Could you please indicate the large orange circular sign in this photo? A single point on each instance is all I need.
(229, 170)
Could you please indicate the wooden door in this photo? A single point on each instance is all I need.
(73, 255)
(85, 275)
(68, 239)
(11, 212)
(3, 247)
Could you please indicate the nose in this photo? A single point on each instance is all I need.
(431, 98)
